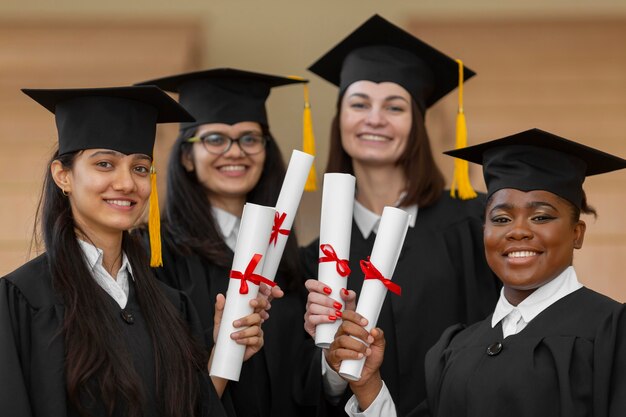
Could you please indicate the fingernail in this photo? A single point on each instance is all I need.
(370, 339)
(337, 305)
(345, 291)
(327, 290)
(236, 323)
(360, 355)
(333, 318)
(338, 313)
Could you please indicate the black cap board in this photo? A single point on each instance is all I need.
(223, 95)
(380, 51)
(118, 118)
(539, 160)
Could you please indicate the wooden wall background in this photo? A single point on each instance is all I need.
(566, 76)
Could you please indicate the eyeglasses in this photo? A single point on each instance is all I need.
(219, 143)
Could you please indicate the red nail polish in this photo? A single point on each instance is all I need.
(327, 290)
(338, 313)
(337, 305)
(346, 292)
(333, 318)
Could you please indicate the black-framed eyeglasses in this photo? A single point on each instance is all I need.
(219, 143)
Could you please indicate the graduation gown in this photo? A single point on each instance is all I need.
(570, 361)
(32, 365)
(271, 382)
(445, 280)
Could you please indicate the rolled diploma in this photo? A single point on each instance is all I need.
(335, 229)
(288, 202)
(385, 253)
(256, 224)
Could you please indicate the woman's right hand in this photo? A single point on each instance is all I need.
(320, 308)
(370, 345)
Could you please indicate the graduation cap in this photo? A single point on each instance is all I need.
(228, 95)
(380, 51)
(539, 160)
(119, 118)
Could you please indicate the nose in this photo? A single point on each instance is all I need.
(520, 231)
(375, 117)
(235, 151)
(124, 181)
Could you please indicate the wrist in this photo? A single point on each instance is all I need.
(367, 391)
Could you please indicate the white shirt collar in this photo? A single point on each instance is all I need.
(117, 288)
(228, 224)
(542, 298)
(367, 221)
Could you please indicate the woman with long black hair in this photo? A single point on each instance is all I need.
(85, 330)
(223, 160)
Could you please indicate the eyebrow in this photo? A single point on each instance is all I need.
(118, 154)
(532, 204)
(389, 98)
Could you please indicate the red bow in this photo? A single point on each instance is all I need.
(278, 221)
(342, 264)
(248, 275)
(371, 272)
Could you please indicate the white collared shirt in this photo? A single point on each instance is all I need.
(118, 287)
(367, 221)
(516, 318)
(229, 226)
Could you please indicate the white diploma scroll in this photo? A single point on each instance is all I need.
(385, 253)
(286, 208)
(254, 232)
(335, 232)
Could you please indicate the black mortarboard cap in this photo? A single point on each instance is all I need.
(223, 95)
(539, 160)
(380, 51)
(119, 118)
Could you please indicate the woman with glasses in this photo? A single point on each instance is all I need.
(226, 158)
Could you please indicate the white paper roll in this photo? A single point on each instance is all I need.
(385, 253)
(286, 209)
(335, 230)
(254, 232)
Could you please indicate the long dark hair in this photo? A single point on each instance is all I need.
(424, 179)
(95, 351)
(189, 220)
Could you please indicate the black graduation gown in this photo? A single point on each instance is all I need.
(271, 382)
(569, 361)
(445, 280)
(32, 371)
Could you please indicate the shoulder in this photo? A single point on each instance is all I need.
(34, 281)
(449, 211)
(592, 302)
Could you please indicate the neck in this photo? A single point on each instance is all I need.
(109, 243)
(515, 296)
(233, 205)
(378, 186)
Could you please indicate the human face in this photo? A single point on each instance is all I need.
(232, 174)
(375, 122)
(530, 239)
(108, 190)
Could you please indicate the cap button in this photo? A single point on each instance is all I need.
(494, 349)
(127, 316)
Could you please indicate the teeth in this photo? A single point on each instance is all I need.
(232, 168)
(124, 203)
(522, 254)
(376, 138)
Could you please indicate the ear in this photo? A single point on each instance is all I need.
(186, 158)
(61, 176)
(579, 234)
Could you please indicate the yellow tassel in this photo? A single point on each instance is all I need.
(154, 222)
(461, 185)
(308, 140)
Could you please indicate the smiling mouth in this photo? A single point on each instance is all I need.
(374, 138)
(232, 168)
(522, 254)
(121, 203)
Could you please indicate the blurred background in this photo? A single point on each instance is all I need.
(557, 65)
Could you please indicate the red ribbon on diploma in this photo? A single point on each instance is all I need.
(278, 221)
(249, 275)
(331, 256)
(371, 272)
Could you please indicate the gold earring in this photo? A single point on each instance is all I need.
(65, 193)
